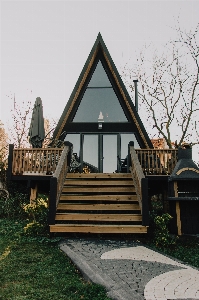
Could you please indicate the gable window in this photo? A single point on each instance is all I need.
(100, 100)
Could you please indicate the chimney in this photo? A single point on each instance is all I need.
(136, 94)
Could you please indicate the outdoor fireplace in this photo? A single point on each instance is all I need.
(184, 194)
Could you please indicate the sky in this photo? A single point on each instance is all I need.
(44, 44)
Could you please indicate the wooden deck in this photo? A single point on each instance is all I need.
(94, 202)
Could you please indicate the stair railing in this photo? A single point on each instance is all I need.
(57, 181)
(141, 184)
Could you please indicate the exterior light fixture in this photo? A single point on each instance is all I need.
(100, 120)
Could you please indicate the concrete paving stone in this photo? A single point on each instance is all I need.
(129, 270)
(190, 293)
(197, 294)
(169, 294)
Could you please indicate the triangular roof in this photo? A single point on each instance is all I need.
(100, 52)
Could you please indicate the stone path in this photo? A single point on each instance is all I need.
(129, 270)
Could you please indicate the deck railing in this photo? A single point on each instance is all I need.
(157, 161)
(37, 161)
(43, 161)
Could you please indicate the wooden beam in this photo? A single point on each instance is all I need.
(98, 197)
(98, 175)
(178, 218)
(33, 194)
(98, 207)
(99, 182)
(98, 189)
(98, 228)
(175, 189)
(98, 217)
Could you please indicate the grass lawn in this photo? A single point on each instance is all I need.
(186, 250)
(31, 269)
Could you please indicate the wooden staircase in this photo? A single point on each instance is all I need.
(98, 203)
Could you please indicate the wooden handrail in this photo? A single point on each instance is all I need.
(141, 185)
(137, 174)
(35, 161)
(157, 161)
(61, 171)
(57, 182)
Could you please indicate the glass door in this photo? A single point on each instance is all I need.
(99, 153)
(110, 153)
(89, 154)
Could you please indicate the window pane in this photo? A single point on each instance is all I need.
(90, 150)
(109, 153)
(75, 140)
(99, 77)
(125, 139)
(102, 100)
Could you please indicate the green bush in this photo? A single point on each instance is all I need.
(3, 168)
(12, 207)
(162, 237)
(37, 212)
(159, 224)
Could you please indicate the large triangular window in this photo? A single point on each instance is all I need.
(99, 102)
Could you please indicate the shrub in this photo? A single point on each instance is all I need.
(159, 224)
(12, 207)
(37, 213)
(3, 168)
(162, 237)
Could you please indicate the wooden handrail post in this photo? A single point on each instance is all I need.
(70, 145)
(52, 200)
(145, 204)
(10, 161)
(130, 144)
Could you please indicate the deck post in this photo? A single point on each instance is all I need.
(145, 204)
(70, 145)
(10, 160)
(131, 144)
(33, 194)
(52, 202)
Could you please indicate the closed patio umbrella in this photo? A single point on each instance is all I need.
(36, 131)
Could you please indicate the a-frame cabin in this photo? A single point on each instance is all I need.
(100, 120)
(99, 179)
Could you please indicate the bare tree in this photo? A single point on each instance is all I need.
(21, 119)
(3, 143)
(169, 89)
(49, 126)
(18, 130)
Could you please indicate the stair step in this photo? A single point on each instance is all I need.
(98, 197)
(90, 228)
(98, 217)
(71, 206)
(98, 203)
(98, 189)
(99, 175)
(98, 182)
